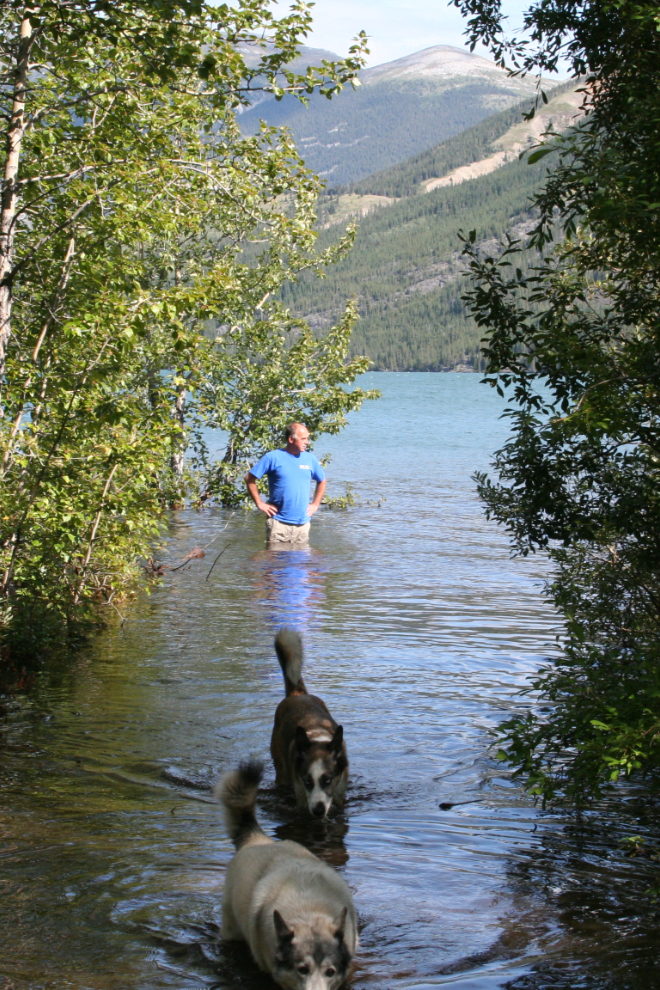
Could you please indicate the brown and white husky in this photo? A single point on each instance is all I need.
(307, 745)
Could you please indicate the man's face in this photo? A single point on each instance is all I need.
(300, 441)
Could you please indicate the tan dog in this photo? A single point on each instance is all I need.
(307, 745)
(295, 912)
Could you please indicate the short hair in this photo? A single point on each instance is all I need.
(292, 429)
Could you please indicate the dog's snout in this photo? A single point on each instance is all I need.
(318, 810)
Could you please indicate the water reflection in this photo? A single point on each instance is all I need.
(586, 904)
(418, 636)
(326, 839)
(289, 584)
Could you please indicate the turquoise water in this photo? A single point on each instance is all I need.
(420, 630)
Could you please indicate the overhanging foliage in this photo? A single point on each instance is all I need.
(136, 220)
(578, 342)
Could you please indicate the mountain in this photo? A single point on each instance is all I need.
(485, 148)
(481, 149)
(405, 268)
(252, 53)
(400, 109)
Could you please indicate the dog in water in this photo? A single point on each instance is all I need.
(294, 911)
(307, 745)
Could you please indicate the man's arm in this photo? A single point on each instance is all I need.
(269, 510)
(318, 495)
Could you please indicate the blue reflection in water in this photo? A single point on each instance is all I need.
(289, 585)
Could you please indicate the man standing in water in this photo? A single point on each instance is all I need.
(290, 471)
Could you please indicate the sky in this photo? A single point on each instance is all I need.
(396, 27)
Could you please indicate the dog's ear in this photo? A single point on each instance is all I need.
(302, 739)
(284, 933)
(341, 925)
(337, 739)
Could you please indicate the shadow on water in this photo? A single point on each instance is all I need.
(590, 903)
(419, 632)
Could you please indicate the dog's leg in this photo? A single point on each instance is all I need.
(339, 795)
(300, 792)
(229, 930)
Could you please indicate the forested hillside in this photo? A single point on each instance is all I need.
(401, 109)
(405, 268)
(407, 178)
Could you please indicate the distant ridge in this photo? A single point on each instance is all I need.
(405, 270)
(402, 108)
(444, 62)
(482, 149)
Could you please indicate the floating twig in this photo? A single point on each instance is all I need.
(216, 560)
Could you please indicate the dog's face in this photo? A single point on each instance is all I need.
(311, 957)
(319, 766)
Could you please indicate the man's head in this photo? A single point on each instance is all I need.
(297, 438)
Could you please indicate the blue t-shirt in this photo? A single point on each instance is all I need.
(289, 482)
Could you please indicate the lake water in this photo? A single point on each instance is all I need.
(419, 631)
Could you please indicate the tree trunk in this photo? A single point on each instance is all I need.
(97, 520)
(15, 132)
(178, 456)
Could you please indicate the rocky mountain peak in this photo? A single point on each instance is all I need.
(445, 63)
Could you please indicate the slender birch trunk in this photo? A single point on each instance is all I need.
(177, 459)
(178, 454)
(15, 132)
(90, 547)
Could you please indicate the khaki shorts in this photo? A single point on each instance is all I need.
(279, 532)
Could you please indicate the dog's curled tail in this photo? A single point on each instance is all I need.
(288, 647)
(237, 793)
